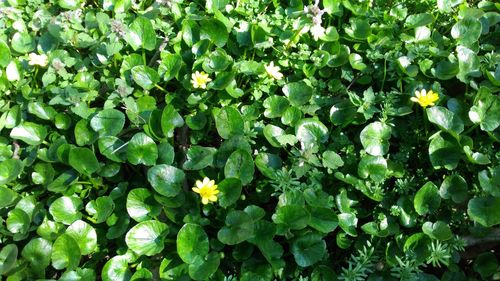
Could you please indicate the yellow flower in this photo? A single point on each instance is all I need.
(425, 98)
(40, 60)
(200, 79)
(207, 190)
(273, 71)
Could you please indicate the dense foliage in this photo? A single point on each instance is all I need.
(249, 140)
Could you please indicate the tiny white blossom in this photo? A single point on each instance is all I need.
(273, 71)
(317, 31)
(40, 60)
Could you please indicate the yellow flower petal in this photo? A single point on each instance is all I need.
(195, 189)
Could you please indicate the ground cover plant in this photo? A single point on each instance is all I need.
(249, 140)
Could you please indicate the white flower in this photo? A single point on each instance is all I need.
(273, 71)
(40, 60)
(317, 31)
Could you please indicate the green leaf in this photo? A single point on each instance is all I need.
(230, 191)
(4, 54)
(22, 42)
(275, 106)
(108, 122)
(65, 253)
(360, 28)
(486, 264)
(30, 133)
(165, 179)
(489, 181)
(141, 205)
(292, 217)
(8, 197)
(308, 249)
(343, 113)
(145, 76)
(298, 93)
(18, 221)
(484, 210)
(112, 148)
(438, 230)
(374, 167)
(84, 235)
(38, 252)
(228, 121)
(8, 258)
(170, 119)
(142, 150)
(84, 134)
(446, 6)
(311, 132)
(240, 165)
(417, 20)
(192, 243)
(444, 151)
(146, 238)
(41, 110)
(348, 223)
(199, 157)
(10, 169)
(203, 268)
(83, 160)
(271, 132)
(486, 110)
(356, 62)
(82, 274)
(66, 209)
(467, 31)
(101, 208)
(215, 31)
(468, 64)
(446, 120)
(332, 160)
(239, 227)
(116, 269)
(427, 199)
(454, 187)
(141, 34)
(323, 219)
(375, 138)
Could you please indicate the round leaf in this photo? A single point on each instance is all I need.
(485, 210)
(65, 253)
(84, 235)
(308, 249)
(438, 230)
(66, 209)
(38, 252)
(141, 205)
(166, 180)
(108, 122)
(192, 242)
(203, 268)
(30, 133)
(230, 191)
(116, 269)
(427, 199)
(311, 132)
(239, 227)
(142, 150)
(10, 169)
(145, 76)
(8, 257)
(228, 121)
(146, 238)
(83, 160)
(240, 165)
(375, 138)
(298, 93)
(454, 187)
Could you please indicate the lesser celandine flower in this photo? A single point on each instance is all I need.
(200, 79)
(40, 60)
(273, 71)
(425, 98)
(207, 190)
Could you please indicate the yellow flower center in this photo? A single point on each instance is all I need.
(207, 190)
(425, 98)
